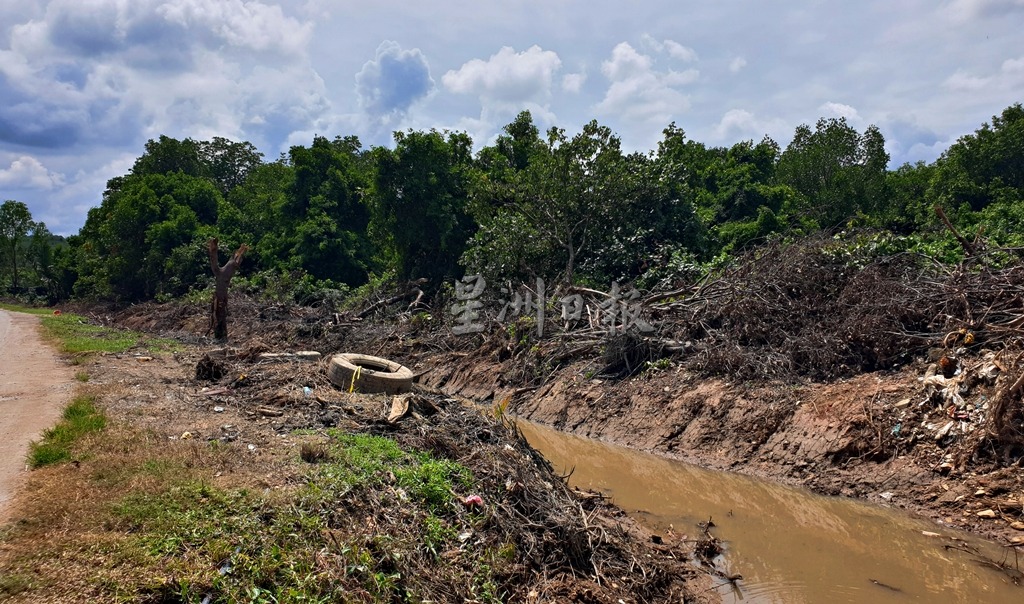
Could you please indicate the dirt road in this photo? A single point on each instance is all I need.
(34, 386)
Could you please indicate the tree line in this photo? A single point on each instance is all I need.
(333, 215)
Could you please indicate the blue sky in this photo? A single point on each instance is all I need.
(84, 83)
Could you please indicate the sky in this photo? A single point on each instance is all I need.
(85, 83)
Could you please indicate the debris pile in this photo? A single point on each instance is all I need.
(556, 543)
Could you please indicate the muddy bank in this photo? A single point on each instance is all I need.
(864, 437)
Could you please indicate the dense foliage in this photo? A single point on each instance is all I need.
(333, 215)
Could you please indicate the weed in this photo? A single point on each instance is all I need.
(436, 533)
(28, 310)
(13, 584)
(486, 589)
(82, 376)
(521, 330)
(501, 408)
(80, 417)
(420, 320)
(507, 551)
(312, 453)
(652, 367)
(369, 460)
(76, 336)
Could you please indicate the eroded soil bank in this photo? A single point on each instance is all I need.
(865, 437)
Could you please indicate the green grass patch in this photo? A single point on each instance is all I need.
(12, 584)
(238, 545)
(365, 460)
(29, 310)
(80, 417)
(76, 336)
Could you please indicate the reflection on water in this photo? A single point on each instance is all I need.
(790, 546)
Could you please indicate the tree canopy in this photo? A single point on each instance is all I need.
(563, 206)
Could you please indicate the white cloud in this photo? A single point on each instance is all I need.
(573, 82)
(1013, 66)
(671, 47)
(243, 24)
(507, 76)
(638, 92)
(961, 81)
(626, 63)
(840, 110)
(109, 72)
(741, 124)
(964, 10)
(27, 172)
(678, 51)
(735, 121)
(737, 64)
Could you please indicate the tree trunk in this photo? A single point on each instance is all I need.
(570, 267)
(14, 264)
(222, 278)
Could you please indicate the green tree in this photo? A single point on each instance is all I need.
(168, 155)
(325, 206)
(573, 191)
(733, 190)
(228, 163)
(985, 167)
(40, 255)
(653, 224)
(837, 171)
(148, 237)
(256, 215)
(910, 203)
(420, 196)
(15, 223)
(578, 208)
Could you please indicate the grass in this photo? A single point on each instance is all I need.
(80, 417)
(366, 459)
(29, 310)
(184, 538)
(74, 335)
(368, 521)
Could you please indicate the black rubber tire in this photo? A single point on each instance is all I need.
(374, 374)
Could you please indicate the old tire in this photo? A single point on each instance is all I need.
(371, 374)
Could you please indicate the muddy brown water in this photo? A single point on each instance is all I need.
(790, 546)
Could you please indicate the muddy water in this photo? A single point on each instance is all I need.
(790, 546)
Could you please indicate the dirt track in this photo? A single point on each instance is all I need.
(34, 386)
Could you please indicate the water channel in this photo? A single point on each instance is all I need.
(789, 545)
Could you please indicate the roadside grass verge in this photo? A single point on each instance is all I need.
(306, 545)
(28, 310)
(75, 336)
(80, 417)
(144, 519)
